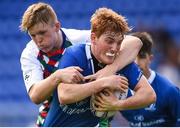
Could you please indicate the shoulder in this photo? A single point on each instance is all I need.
(29, 54)
(164, 81)
(30, 49)
(74, 56)
(168, 87)
(77, 36)
(76, 49)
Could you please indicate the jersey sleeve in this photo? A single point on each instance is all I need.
(174, 103)
(77, 36)
(30, 66)
(133, 73)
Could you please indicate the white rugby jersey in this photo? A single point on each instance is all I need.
(30, 65)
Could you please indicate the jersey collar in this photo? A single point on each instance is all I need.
(152, 77)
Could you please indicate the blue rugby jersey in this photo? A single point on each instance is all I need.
(166, 110)
(79, 114)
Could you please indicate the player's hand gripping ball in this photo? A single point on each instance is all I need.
(107, 114)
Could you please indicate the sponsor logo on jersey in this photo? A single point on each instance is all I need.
(27, 77)
(79, 108)
(151, 107)
(139, 117)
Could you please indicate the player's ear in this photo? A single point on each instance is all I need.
(93, 37)
(57, 26)
(151, 57)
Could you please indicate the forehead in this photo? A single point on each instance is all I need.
(113, 35)
(38, 27)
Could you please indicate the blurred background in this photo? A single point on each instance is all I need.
(159, 17)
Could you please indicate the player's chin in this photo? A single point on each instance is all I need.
(109, 60)
(45, 50)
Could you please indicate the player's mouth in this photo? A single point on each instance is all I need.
(110, 54)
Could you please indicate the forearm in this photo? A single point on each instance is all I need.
(129, 50)
(43, 89)
(144, 96)
(134, 102)
(71, 93)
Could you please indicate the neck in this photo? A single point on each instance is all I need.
(93, 52)
(147, 74)
(97, 64)
(59, 41)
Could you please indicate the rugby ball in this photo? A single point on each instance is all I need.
(107, 114)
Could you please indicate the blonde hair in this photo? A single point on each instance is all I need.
(104, 20)
(36, 13)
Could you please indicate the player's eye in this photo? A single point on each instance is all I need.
(42, 32)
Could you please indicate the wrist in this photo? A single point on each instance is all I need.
(119, 105)
(112, 68)
(99, 85)
(55, 79)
